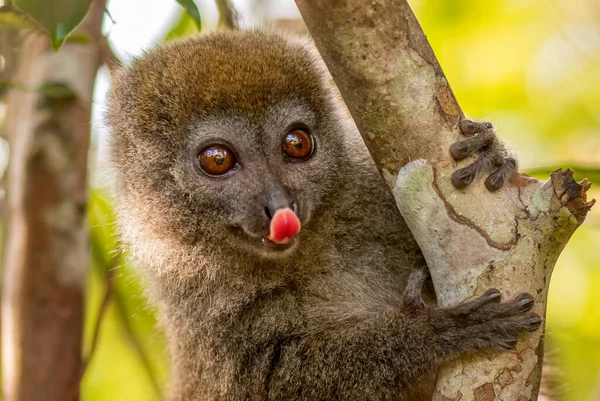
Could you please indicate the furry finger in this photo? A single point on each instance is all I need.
(470, 127)
(521, 304)
(462, 149)
(499, 177)
(490, 296)
(414, 288)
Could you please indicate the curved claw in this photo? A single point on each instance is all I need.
(470, 128)
(491, 296)
(524, 303)
(532, 322)
(495, 181)
(509, 343)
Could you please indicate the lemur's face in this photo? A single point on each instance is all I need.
(242, 150)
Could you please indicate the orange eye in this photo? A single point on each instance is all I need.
(298, 144)
(216, 159)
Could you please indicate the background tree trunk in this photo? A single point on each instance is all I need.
(472, 239)
(46, 251)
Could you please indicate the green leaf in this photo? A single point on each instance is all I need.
(59, 17)
(184, 26)
(57, 91)
(192, 10)
(7, 85)
(13, 18)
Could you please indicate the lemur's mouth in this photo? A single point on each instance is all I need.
(279, 247)
(282, 236)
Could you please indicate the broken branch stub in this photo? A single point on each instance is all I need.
(472, 239)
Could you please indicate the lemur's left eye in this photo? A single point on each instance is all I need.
(298, 144)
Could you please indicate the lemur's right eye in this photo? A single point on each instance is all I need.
(216, 159)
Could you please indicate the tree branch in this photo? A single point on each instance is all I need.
(135, 342)
(46, 254)
(472, 240)
(107, 55)
(228, 15)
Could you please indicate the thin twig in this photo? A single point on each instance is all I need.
(108, 295)
(109, 15)
(228, 15)
(136, 343)
(107, 55)
(108, 268)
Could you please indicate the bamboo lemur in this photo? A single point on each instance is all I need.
(279, 262)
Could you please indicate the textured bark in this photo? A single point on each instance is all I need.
(46, 249)
(472, 239)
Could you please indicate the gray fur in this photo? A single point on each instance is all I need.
(325, 319)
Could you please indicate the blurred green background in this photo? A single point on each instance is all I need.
(530, 66)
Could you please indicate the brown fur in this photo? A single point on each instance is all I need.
(328, 319)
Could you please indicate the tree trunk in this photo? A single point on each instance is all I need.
(472, 239)
(46, 249)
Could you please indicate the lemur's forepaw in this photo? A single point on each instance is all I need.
(487, 323)
(413, 294)
(493, 156)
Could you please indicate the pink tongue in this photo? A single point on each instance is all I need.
(284, 225)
